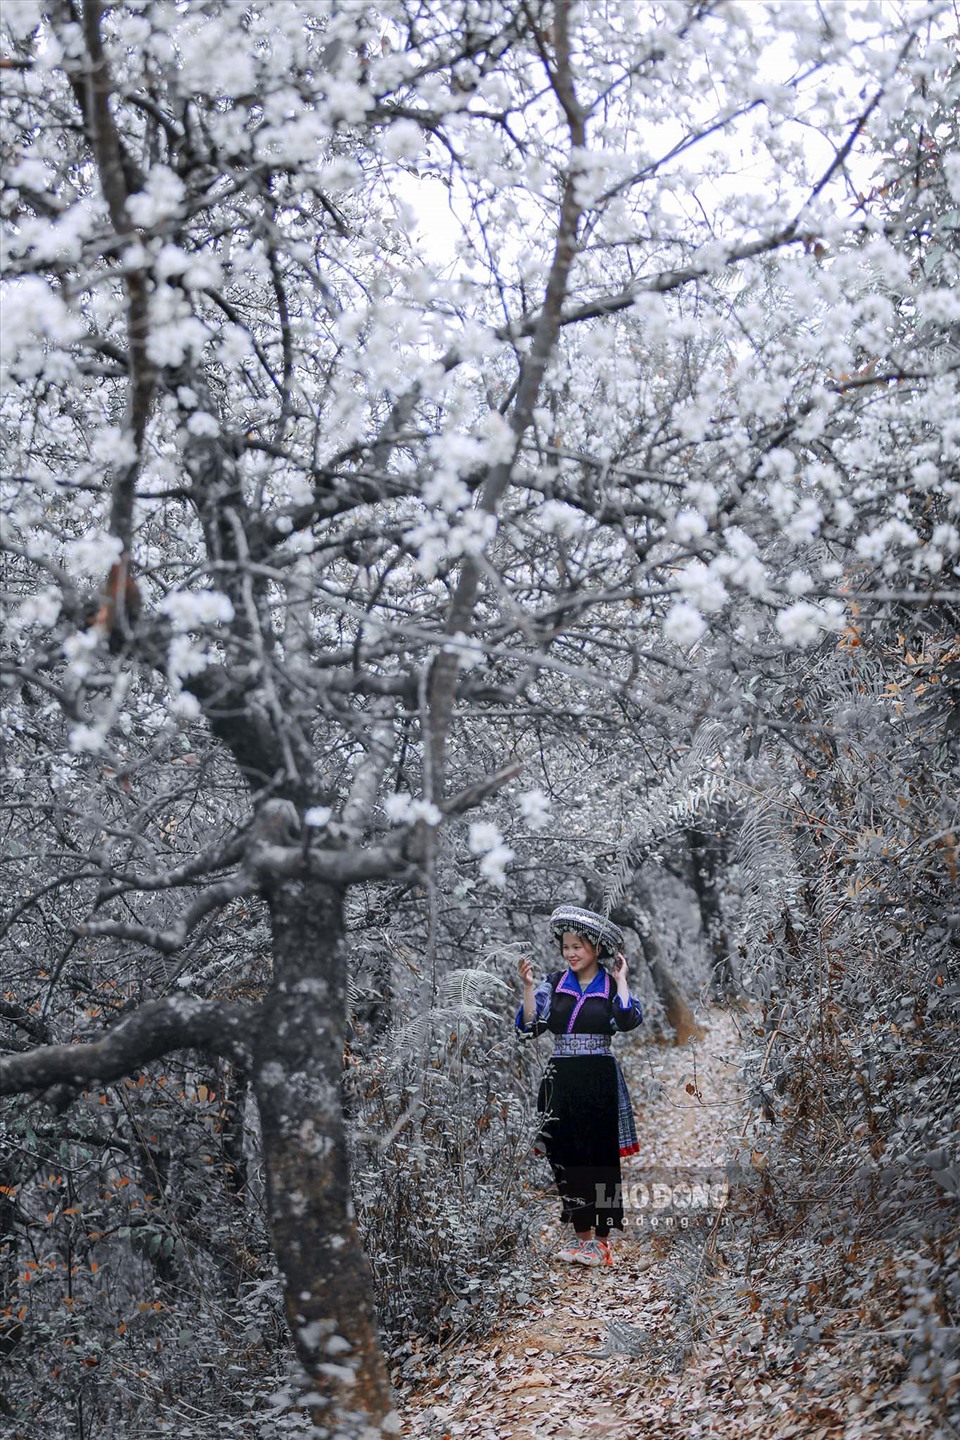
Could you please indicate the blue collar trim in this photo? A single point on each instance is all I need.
(599, 985)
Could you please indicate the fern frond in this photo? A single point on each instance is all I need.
(460, 1005)
(771, 882)
(690, 786)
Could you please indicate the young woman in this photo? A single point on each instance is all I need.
(587, 1119)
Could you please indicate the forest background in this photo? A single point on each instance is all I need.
(371, 589)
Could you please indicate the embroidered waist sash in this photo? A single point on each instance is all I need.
(581, 1045)
(565, 1045)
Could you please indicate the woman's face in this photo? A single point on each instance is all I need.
(578, 952)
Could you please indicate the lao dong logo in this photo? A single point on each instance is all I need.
(674, 1200)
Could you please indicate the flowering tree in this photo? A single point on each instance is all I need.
(372, 369)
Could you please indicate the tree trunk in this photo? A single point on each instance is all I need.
(705, 864)
(297, 1081)
(677, 1011)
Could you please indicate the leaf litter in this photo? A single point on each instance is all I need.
(659, 1346)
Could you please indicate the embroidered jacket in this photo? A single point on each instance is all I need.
(566, 1008)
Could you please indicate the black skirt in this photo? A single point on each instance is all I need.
(579, 1134)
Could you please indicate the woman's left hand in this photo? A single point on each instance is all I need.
(620, 967)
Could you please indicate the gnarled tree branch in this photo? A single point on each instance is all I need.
(173, 938)
(156, 1029)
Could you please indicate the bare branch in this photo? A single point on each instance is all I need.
(154, 1030)
(174, 938)
(366, 783)
(475, 795)
(229, 853)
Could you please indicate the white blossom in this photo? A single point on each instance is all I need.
(202, 423)
(701, 587)
(470, 653)
(42, 610)
(535, 809)
(484, 836)
(497, 440)
(494, 863)
(799, 582)
(804, 622)
(926, 475)
(113, 446)
(92, 554)
(33, 312)
(689, 525)
(446, 492)
(346, 101)
(316, 817)
(85, 739)
(556, 517)
(403, 140)
(162, 199)
(184, 706)
(805, 522)
(684, 625)
(184, 659)
(191, 609)
(402, 809)
(78, 651)
(951, 171)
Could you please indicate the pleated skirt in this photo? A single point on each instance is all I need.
(579, 1134)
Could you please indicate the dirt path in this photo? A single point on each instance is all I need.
(668, 1345)
(585, 1354)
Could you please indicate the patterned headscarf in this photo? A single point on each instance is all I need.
(607, 937)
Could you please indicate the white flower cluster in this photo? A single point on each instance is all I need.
(92, 554)
(436, 538)
(112, 446)
(689, 525)
(42, 610)
(804, 623)
(454, 529)
(161, 199)
(403, 140)
(191, 609)
(740, 564)
(805, 521)
(700, 586)
(78, 651)
(34, 316)
(317, 817)
(486, 841)
(556, 517)
(535, 809)
(184, 658)
(86, 739)
(951, 171)
(469, 653)
(346, 101)
(684, 625)
(402, 809)
(891, 534)
(215, 57)
(492, 442)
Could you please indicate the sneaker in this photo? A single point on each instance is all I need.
(571, 1251)
(595, 1252)
(590, 1254)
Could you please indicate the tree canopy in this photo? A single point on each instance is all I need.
(450, 448)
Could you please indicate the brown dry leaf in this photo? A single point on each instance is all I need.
(534, 1380)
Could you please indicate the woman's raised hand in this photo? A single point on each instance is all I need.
(619, 966)
(525, 970)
